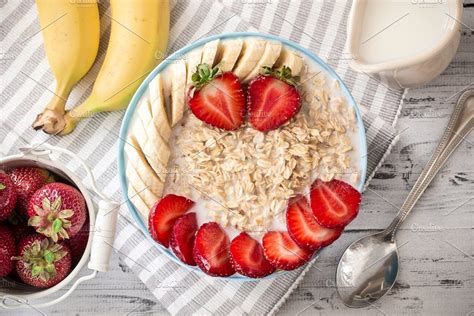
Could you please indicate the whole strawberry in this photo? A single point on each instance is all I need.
(8, 196)
(57, 210)
(27, 180)
(78, 242)
(41, 262)
(7, 250)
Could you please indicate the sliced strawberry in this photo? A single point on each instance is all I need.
(334, 203)
(303, 227)
(282, 251)
(217, 99)
(182, 237)
(248, 258)
(211, 250)
(272, 100)
(163, 215)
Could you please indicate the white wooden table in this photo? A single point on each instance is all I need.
(436, 242)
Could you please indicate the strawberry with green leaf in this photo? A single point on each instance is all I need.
(57, 210)
(41, 262)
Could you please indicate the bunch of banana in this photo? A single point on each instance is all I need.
(71, 40)
(138, 40)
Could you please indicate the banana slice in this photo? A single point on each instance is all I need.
(251, 53)
(269, 57)
(136, 199)
(290, 59)
(178, 90)
(137, 160)
(167, 83)
(147, 196)
(157, 107)
(209, 52)
(193, 59)
(228, 53)
(153, 146)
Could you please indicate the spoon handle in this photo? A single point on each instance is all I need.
(459, 126)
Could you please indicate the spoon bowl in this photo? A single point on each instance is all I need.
(367, 270)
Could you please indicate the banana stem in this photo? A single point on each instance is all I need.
(51, 120)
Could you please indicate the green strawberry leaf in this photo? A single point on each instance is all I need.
(46, 204)
(57, 225)
(66, 214)
(49, 256)
(34, 221)
(56, 204)
(2, 186)
(36, 270)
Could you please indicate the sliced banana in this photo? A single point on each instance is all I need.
(178, 90)
(228, 53)
(137, 160)
(167, 83)
(269, 57)
(153, 146)
(146, 195)
(193, 59)
(251, 53)
(209, 52)
(290, 59)
(136, 199)
(157, 107)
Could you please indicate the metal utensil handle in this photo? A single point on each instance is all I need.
(459, 126)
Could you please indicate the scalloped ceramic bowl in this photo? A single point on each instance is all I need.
(129, 116)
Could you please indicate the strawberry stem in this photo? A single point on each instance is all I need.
(204, 74)
(50, 220)
(283, 74)
(40, 257)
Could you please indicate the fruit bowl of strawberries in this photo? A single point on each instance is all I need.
(46, 222)
(242, 155)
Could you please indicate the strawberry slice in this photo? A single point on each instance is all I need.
(272, 99)
(217, 99)
(211, 250)
(182, 237)
(334, 203)
(248, 258)
(283, 252)
(163, 215)
(303, 227)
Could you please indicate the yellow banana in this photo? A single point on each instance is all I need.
(71, 31)
(138, 40)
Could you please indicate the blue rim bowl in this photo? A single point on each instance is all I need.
(183, 51)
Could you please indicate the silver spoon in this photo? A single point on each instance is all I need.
(368, 268)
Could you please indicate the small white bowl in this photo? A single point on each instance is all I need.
(14, 294)
(413, 70)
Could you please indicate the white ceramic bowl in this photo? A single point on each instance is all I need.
(14, 294)
(417, 69)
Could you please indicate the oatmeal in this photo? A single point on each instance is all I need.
(246, 177)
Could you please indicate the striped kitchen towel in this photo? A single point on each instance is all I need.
(27, 84)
